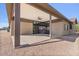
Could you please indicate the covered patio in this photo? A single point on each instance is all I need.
(33, 38)
(26, 40)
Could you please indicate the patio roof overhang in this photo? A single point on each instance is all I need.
(9, 8)
(42, 6)
(50, 10)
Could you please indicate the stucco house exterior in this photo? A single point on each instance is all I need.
(38, 13)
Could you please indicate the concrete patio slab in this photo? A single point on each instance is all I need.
(30, 39)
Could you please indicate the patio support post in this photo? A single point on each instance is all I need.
(17, 24)
(50, 28)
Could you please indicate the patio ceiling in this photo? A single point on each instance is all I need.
(32, 13)
(44, 7)
(47, 8)
(9, 8)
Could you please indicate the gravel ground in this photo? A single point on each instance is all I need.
(39, 46)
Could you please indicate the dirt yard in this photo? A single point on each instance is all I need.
(39, 45)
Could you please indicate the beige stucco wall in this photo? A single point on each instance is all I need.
(58, 28)
(25, 28)
(29, 12)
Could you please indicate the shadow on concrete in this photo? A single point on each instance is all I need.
(38, 43)
(70, 38)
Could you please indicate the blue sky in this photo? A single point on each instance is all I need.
(3, 16)
(68, 10)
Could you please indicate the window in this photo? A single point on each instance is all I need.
(66, 27)
(70, 26)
